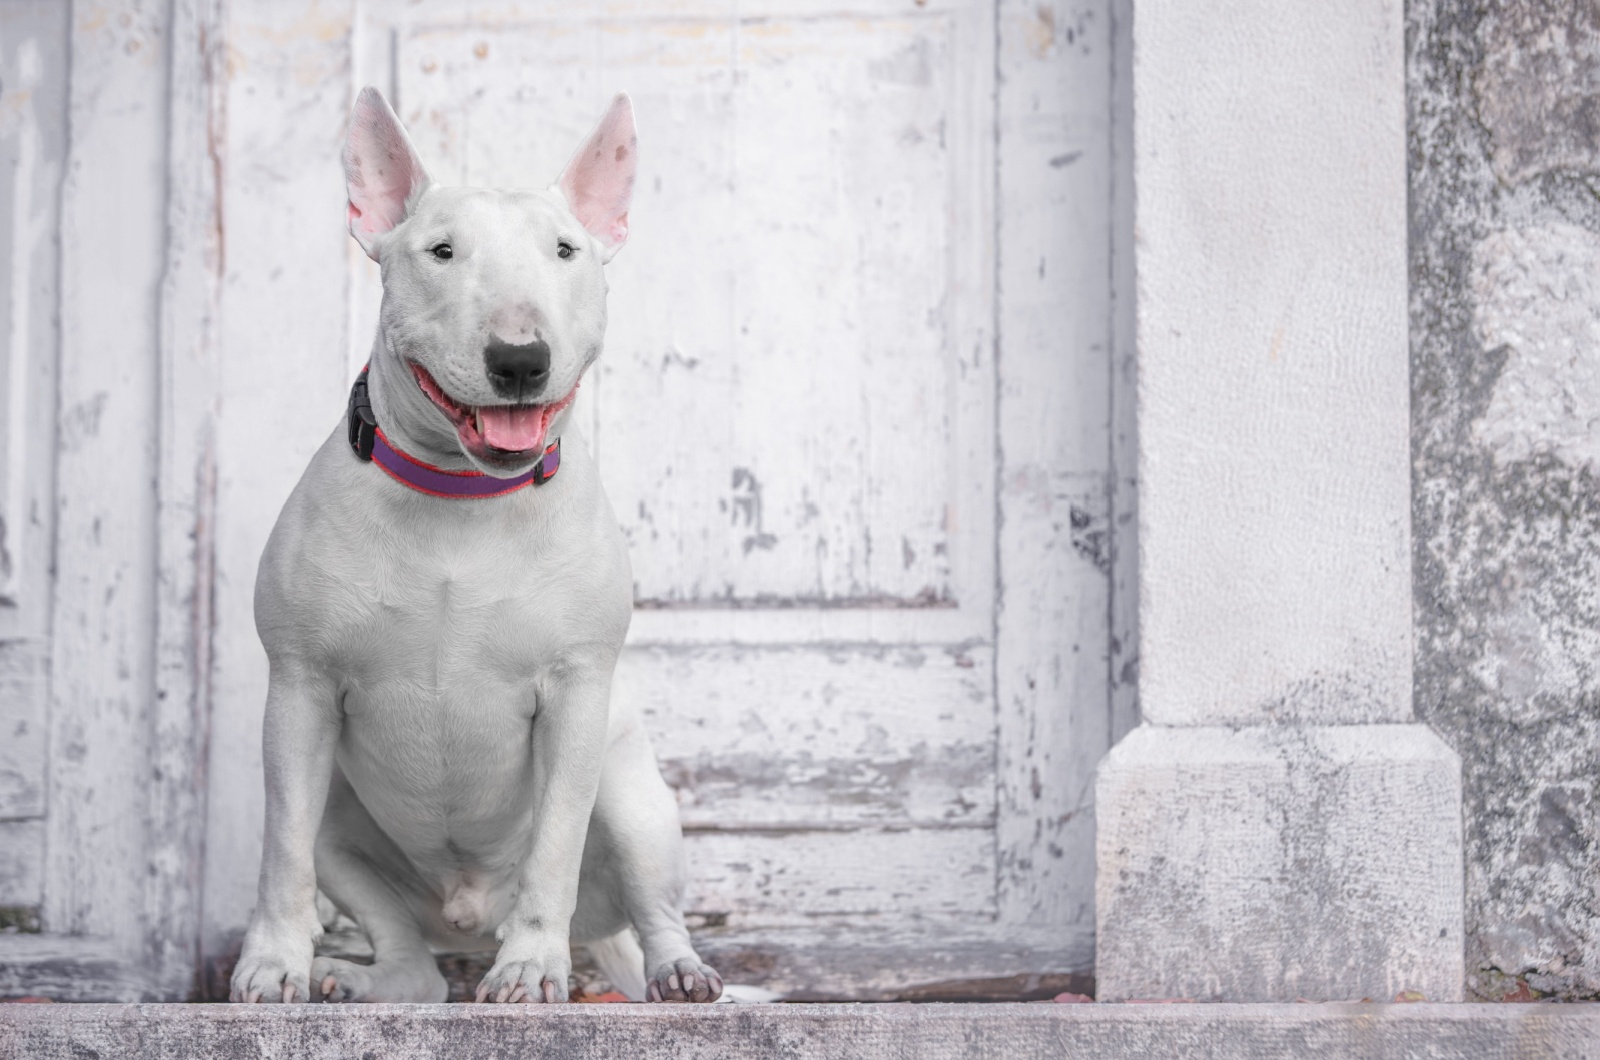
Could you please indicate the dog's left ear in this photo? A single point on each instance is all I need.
(598, 182)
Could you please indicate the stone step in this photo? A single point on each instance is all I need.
(859, 1032)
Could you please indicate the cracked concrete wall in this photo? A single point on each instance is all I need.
(1504, 112)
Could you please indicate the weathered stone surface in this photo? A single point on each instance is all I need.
(1277, 862)
(1505, 278)
(1538, 86)
(1536, 296)
(859, 1032)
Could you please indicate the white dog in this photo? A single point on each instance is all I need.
(442, 602)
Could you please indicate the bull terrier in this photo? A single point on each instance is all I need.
(442, 603)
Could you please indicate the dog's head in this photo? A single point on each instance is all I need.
(493, 301)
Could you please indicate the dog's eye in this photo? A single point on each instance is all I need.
(564, 249)
(443, 252)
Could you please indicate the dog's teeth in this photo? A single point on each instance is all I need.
(477, 419)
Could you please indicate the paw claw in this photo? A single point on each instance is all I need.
(685, 979)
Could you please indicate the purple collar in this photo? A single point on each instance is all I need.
(426, 478)
(369, 443)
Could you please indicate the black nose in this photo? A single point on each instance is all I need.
(518, 373)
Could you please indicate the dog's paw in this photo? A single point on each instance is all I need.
(685, 979)
(534, 972)
(275, 961)
(272, 974)
(335, 980)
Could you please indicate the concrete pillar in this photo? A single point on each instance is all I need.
(1278, 827)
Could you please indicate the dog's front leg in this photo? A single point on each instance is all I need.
(299, 735)
(569, 732)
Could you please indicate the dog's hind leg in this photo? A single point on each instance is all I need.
(641, 864)
(369, 878)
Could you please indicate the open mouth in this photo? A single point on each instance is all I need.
(499, 433)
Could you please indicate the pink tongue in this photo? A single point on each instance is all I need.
(513, 429)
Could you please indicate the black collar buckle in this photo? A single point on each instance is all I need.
(362, 423)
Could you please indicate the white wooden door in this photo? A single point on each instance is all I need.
(856, 415)
(796, 422)
(794, 419)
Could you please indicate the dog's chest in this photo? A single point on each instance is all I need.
(447, 627)
(448, 631)
(446, 657)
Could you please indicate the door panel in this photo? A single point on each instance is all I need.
(790, 738)
(779, 408)
(793, 422)
(857, 878)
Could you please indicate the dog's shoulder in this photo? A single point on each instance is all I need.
(316, 546)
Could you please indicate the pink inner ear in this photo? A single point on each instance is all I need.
(382, 170)
(598, 182)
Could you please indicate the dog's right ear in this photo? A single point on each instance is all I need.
(382, 172)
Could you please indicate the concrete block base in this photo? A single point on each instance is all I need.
(1279, 862)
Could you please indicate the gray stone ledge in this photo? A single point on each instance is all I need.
(903, 1031)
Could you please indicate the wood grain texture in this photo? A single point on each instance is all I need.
(113, 238)
(864, 961)
(186, 517)
(21, 863)
(786, 878)
(23, 728)
(33, 105)
(73, 969)
(1052, 632)
(282, 374)
(33, 102)
(819, 737)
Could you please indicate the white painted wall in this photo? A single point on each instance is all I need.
(856, 416)
(1274, 420)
